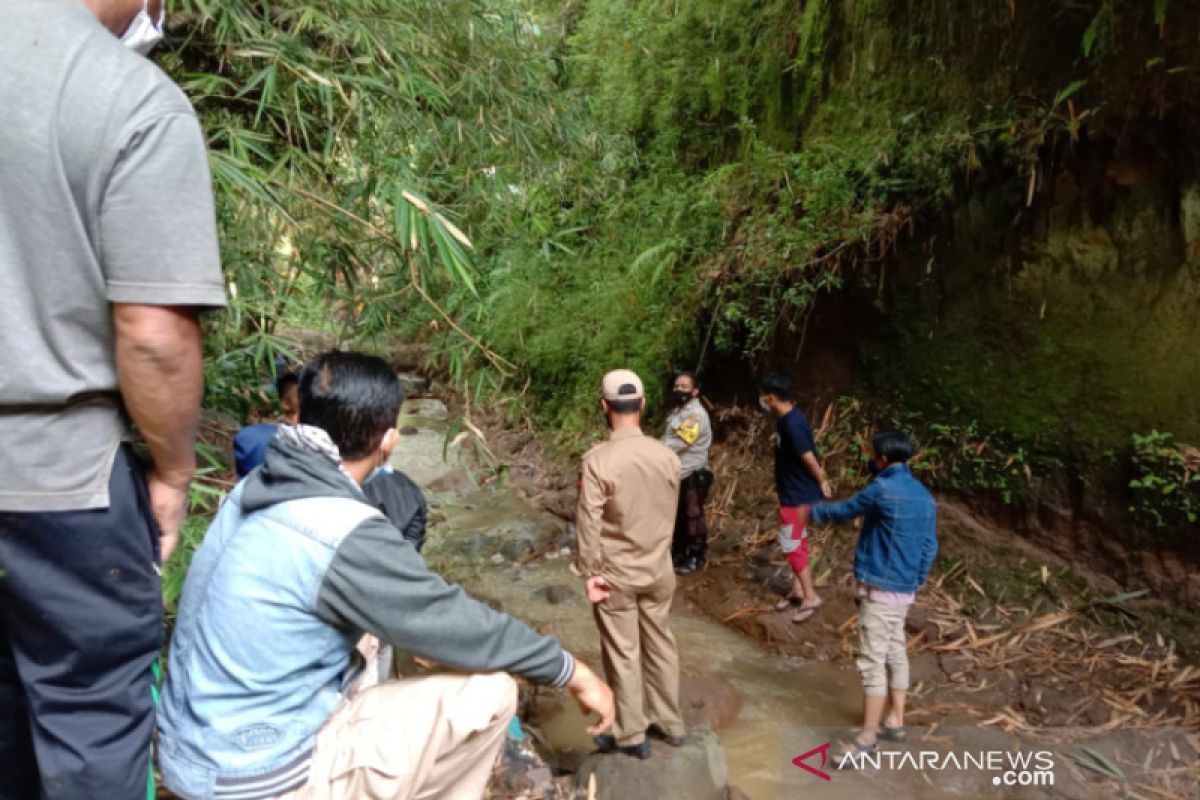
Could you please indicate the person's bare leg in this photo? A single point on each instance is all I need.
(808, 591)
(810, 600)
(895, 717)
(872, 715)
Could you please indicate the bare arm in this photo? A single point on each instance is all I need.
(814, 468)
(160, 370)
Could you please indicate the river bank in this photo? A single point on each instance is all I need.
(1010, 643)
(1008, 636)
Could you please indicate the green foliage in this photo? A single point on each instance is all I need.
(348, 151)
(961, 458)
(546, 190)
(1166, 486)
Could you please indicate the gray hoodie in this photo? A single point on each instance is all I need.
(294, 568)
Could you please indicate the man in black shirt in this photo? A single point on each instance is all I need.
(799, 481)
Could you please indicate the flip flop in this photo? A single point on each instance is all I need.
(808, 613)
(788, 602)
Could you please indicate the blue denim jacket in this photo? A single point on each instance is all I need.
(898, 540)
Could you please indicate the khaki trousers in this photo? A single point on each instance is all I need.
(415, 739)
(640, 659)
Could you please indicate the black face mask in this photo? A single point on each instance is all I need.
(873, 468)
(681, 397)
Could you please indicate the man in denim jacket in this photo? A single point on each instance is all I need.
(896, 548)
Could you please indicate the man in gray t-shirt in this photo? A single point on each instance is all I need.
(108, 250)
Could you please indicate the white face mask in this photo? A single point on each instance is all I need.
(763, 404)
(144, 33)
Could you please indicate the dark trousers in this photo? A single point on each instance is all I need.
(81, 623)
(690, 539)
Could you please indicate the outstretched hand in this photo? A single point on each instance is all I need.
(598, 589)
(593, 697)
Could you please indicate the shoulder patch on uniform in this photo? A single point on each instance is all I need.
(689, 429)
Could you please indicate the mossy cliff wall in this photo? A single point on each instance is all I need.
(1003, 196)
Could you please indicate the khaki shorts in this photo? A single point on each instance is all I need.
(882, 651)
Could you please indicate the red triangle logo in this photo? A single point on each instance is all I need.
(800, 759)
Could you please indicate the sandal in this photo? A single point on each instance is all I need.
(805, 614)
(788, 602)
(892, 733)
(850, 754)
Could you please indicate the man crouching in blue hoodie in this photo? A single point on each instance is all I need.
(294, 569)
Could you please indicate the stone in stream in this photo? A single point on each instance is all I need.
(567, 539)
(514, 549)
(456, 480)
(426, 408)
(705, 700)
(695, 771)
(412, 384)
(558, 593)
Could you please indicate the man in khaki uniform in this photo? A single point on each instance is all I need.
(626, 515)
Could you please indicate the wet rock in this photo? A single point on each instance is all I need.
(514, 549)
(407, 356)
(706, 700)
(560, 503)
(456, 480)
(567, 538)
(695, 771)
(558, 593)
(412, 384)
(519, 529)
(427, 408)
(520, 772)
(462, 546)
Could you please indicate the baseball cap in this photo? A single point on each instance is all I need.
(622, 384)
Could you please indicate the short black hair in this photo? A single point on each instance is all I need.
(353, 397)
(687, 373)
(286, 381)
(776, 383)
(631, 406)
(894, 447)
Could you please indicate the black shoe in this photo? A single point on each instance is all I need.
(689, 566)
(606, 743)
(656, 732)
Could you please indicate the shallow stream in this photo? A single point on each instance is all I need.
(789, 704)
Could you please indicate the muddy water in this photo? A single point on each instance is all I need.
(781, 696)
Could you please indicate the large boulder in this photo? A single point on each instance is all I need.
(695, 771)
